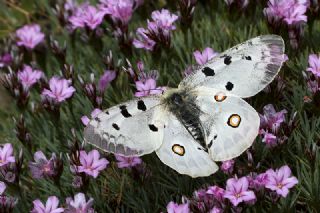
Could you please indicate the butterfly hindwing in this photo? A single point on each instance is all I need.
(243, 70)
(230, 122)
(182, 153)
(133, 128)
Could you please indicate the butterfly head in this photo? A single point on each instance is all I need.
(174, 97)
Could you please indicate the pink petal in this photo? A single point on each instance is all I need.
(85, 120)
(248, 196)
(52, 203)
(290, 182)
(285, 172)
(39, 156)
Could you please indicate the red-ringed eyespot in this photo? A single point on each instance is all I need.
(178, 149)
(234, 120)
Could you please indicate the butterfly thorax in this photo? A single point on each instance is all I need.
(181, 103)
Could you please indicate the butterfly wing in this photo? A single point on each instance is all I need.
(133, 128)
(243, 70)
(231, 124)
(182, 153)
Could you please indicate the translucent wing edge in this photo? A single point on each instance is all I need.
(275, 43)
(100, 142)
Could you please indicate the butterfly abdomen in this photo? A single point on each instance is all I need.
(182, 104)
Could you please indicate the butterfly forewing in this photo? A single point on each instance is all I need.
(133, 128)
(243, 70)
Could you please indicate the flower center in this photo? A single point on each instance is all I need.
(238, 195)
(280, 185)
(89, 168)
(46, 168)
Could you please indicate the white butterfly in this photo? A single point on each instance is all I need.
(203, 120)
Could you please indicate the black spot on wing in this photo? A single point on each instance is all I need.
(115, 126)
(229, 86)
(227, 60)
(153, 128)
(248, 58)
(141, 105)
(215, 137)
(107, 112)
(124, 111)
(208, 71)
(210, 144)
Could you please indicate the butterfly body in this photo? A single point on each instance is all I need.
(181, 103)
(202, 121)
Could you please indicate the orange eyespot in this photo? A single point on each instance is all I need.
(178, 149)
(234, 120)
(219, 97)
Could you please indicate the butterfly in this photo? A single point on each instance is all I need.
(202, 121)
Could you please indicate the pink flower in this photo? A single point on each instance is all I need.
(5, 60)
(164, 19)
(6, 154)
(60, 89)
(260, 181)
(289, 11)
(29, 77)
(29, 36)
(147, 87)
(176, 208)
(217, 192)
(257, 181)
(77, 19)
(70, 5)
(119, 10)
(127, 162)
(91, 164)
(2, 187)
(271, 119)
(158, 30)
(85, 120)
(86, 15)
(93, 17)
(42, 167)
(206, 55)
(296, 14)
(313, 86)
(143, 41)
(50, 207)
(269, 138)
(79, 204)
(227, 166)
(237, 191)
(216, 210)
(105, 79)
(281, 180)
(314, 64)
